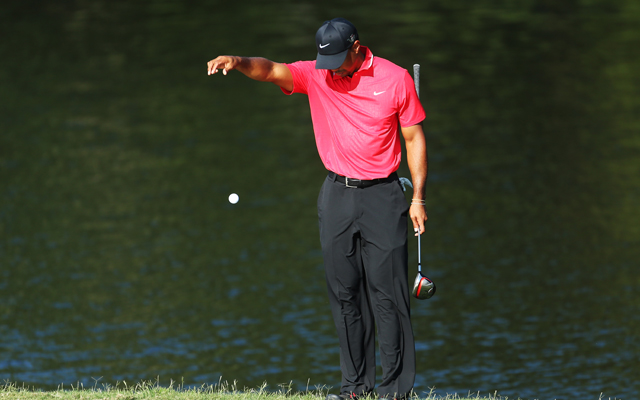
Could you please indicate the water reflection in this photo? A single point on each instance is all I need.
(121, 258)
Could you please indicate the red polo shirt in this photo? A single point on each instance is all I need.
(355, 119)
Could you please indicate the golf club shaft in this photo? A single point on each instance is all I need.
(419, 258)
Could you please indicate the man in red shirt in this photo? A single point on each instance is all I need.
(357, 101)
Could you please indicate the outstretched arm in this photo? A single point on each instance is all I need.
(417, 160)
(257, 68)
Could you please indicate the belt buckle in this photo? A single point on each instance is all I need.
(346, 182)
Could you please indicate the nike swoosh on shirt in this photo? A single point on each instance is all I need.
(377, 93)
(322, 46)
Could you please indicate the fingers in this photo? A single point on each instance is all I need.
(418, 227)
(221, 62)
(418, 218)
(213, 66)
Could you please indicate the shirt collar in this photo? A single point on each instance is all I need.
(368, 59)
(366, 64)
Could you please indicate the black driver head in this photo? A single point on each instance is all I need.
(423, 287)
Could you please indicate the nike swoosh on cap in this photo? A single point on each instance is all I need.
(322, 46)
(377, 93)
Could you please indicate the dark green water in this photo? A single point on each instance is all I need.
(121, 258)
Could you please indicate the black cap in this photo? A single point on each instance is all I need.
(333, 40)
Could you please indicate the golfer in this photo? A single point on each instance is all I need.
(357, 102)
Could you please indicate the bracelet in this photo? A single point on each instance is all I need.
(419, 202)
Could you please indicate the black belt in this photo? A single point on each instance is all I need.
(361, 183)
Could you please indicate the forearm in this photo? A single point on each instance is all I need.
(256, 68)
(418, 164)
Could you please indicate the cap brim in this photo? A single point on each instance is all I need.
(333, 61)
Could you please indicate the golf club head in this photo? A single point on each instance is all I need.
(423, 287)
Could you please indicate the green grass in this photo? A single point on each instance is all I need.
(152, 390)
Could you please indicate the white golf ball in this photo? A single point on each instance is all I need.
(233, 198)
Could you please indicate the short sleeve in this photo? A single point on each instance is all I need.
(410, 110)
(301, 72)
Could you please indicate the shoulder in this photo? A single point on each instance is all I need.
(304, 75)
(302, 67)
(388, 67)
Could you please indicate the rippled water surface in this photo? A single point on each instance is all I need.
(121, 258)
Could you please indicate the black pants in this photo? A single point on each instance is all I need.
(364, 244)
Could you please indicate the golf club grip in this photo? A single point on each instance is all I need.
(416, 77)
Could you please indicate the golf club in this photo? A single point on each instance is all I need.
(423, 287)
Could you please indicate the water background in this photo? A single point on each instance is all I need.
(122, 260)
